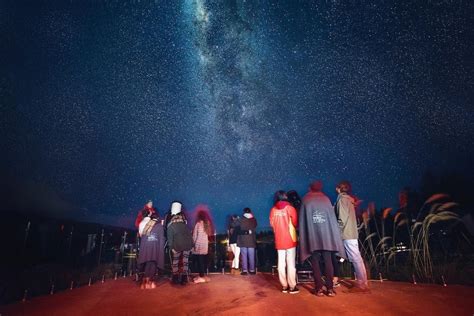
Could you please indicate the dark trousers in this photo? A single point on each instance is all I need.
(316, 258)
(336, 264)
(201, 261)
(150, 269)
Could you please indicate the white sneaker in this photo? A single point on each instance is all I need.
(199, 280)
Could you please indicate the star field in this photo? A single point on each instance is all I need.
(106, 104)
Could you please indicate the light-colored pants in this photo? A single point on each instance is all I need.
(286, 261)
(236, 251)
(353, 254)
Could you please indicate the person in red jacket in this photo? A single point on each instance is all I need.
(284, 219)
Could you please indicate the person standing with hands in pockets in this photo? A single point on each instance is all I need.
(284, 219)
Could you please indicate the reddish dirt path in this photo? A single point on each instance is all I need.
(249, 295)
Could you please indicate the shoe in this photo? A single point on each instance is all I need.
(331, 293)
(243, 273)
(336, 284)
(319, 292)
(284, 290)
(357, 289)
(199, 280)
(294, 290)
(253, 272)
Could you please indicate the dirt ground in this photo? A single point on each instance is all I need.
(247, 295)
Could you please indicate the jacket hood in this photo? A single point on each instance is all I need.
(282, 204)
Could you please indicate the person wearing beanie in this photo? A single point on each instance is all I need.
(283, 219)
(180, 242)
(247, 241)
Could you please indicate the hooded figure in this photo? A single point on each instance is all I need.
(318, 226)
(320, 236)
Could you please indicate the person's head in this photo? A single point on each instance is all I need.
(344, 187)
(202, 216)
(147, 213)
(316, 186)
(280, 196)
(149, 204)
(247, 210)
(176, 207)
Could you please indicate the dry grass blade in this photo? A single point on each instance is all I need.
(397, 217)
(370, 236)
(435, 197)
(402, 222)
(386, 212)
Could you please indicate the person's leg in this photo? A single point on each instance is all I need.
(184, 273)
(251, 254)
(315, 259)
(237, 256)
(232, 248)
(244, 251)
(282, 268)
(174, 263)
(353, 253)
(291, 267)
(328, 269)
(336, 266)
(201, 265)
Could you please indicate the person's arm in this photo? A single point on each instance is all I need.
(272, 215)
(170, 235)
(293, 216)
(343, 207)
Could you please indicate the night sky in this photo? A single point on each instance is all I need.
(105, 104)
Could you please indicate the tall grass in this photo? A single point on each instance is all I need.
(419, 260)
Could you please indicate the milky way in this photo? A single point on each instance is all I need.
(108, 103)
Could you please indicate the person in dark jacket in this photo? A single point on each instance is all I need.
(152, 247)
(180, 242)
(233, 233)
(319, 236)
(247, 241)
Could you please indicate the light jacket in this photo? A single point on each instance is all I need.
(345, 211)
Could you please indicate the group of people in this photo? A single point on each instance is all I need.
(326, 233)
(173, 229)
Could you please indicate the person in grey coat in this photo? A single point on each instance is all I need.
(247, 241)
(319, 236)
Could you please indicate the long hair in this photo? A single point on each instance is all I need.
(206, 219)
